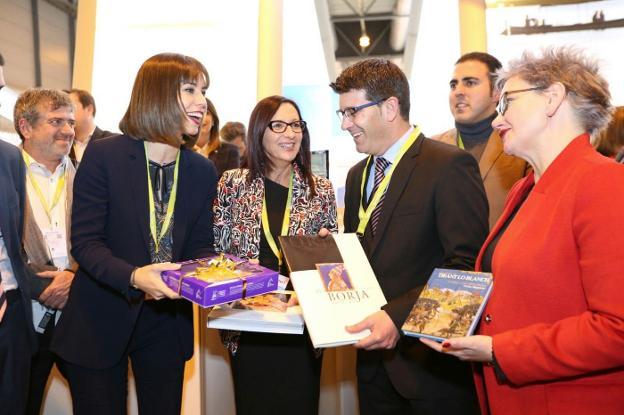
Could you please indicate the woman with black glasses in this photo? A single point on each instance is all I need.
(276, 195)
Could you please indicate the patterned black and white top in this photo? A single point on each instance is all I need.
(238, 218)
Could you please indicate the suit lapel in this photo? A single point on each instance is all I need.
(182, 205)
(511, 204)
(400, 178)
(492, 152)
(139, 183)
(8, 223)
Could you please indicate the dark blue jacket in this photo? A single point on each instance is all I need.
(110, 237)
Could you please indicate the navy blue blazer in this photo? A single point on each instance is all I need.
(12, 193)
(110, 237)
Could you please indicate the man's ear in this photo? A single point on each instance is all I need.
(89, 108)
(556, 93)
(392, 108)
(25, 128)
(496, 94)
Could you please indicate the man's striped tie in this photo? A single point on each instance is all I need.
(380, 167)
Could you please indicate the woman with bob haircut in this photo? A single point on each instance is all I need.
(276, 195)
(552, 334)
(141, 201)
(223, 155)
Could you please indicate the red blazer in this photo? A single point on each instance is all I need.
(556, 313)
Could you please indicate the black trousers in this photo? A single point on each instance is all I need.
(157, 364)
(378, 396)
(14, 356)
(276, 374)
(40, 368)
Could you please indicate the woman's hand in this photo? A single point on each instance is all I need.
(148, 279)
(471, 348)
(293, 300)
(323, 232)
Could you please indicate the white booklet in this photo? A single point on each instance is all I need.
(335, 285)
(267, 313)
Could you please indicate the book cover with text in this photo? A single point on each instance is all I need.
(335, 285)
(450, 305)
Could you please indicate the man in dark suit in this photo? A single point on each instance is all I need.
(17, 336)
(430, 211)
(86, 130)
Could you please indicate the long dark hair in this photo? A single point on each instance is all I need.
(257, 161)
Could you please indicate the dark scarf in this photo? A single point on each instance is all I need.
(477, 133)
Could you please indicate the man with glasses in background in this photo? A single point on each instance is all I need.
(472, 100)
(417, 204)
(44, 120)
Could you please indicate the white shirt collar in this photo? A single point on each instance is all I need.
(38, 168)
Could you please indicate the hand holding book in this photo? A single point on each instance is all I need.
(471, 348)
(383, 332)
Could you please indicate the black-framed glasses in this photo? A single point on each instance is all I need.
(279, 126)
(503, 102)
(350, 112)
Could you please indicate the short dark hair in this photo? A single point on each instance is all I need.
(30, 101)
(84, 97)
(257, 161)
(1, 60)
(154, 112)
(231, 130)
(493, 64)
(379, 78)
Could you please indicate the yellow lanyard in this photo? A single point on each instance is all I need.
(285, 221)
(170, 204)
(365, 214)
(60, 185)
(460, 143)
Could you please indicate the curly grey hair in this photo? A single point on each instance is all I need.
(29, 103)
(587, 91)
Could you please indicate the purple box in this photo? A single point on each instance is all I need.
(207, 294)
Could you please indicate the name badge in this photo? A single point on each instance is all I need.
(56, 241)
(41, 327)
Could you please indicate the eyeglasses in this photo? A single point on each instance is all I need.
(350, 112)
(279, 126)
(503, 102)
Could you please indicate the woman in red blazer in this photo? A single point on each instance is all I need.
(552, 335)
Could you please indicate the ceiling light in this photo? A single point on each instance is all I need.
(364, 41)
